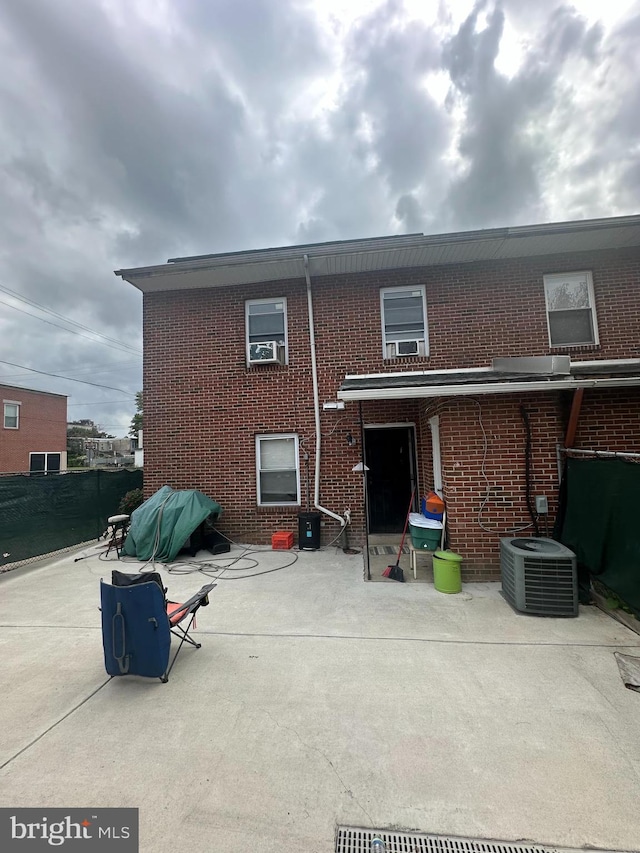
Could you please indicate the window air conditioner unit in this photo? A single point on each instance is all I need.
(407, 347)
(266, 352)
(539, 576)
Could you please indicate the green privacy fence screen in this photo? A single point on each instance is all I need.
(47, 513)
(601, 523)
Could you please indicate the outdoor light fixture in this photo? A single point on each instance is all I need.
(351, 441)
(360, 468)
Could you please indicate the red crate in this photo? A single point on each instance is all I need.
(282, 540)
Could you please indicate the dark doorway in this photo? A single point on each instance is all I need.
(390, 457)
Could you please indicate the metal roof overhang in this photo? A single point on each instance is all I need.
(391, 387)
(383, 253)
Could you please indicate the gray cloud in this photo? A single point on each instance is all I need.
(383, 138)
(113, 159)
(129, 142)
(244, 123)
(504, 154)
(269, 50)
(408, 129)
(616, 141)
(410, 212)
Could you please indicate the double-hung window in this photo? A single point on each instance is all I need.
(11, 415)
(404, 321)
(571, 310)
(266, 325)
(44, 463)
(278, 469)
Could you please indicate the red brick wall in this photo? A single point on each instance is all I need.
(43, 427)
(479, 311)
(483, 446)
(204, 407)
(609, 420)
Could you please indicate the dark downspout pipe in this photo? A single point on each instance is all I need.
(527, 457)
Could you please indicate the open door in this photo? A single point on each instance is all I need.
(390, 457)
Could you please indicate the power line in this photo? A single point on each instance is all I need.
(102, 402)
(96, 369)
(68, 378)
(90, 370)
(119, 347)
(60, 316)
(115, 366)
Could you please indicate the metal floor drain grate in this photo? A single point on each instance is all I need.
(351, 839)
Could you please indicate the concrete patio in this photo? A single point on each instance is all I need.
(318, 699)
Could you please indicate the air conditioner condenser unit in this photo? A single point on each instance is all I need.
(407, 347)
(266, 352)
(539, 576)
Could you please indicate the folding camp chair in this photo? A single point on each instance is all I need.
(138, 621)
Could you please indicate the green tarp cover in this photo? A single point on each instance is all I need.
(601, 523)
(163, 523)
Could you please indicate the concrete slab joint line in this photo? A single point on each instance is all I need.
(317, 701)
(353, 839)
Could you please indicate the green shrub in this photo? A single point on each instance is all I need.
(131, 501)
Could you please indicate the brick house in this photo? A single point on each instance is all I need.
(463, 362)
(34, 431)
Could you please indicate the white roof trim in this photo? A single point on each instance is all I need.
(420, 372)
(611, 362)
(386, 253)
(411, 392)
(607, 362)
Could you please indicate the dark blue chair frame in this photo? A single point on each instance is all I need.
(138, 621)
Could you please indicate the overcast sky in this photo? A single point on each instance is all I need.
(133, 131)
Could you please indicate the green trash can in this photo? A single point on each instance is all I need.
(446, 571)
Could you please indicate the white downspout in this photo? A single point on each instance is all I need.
(316, 399)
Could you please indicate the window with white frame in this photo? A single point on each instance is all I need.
(11, 414)
(44, 463)
(404, 321)
(571, 310)
(266, 331)
(278, 470)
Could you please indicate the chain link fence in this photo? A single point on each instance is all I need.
(46, 514)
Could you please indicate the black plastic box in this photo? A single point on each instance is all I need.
(309, 531)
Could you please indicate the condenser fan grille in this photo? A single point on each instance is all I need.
(548, 586)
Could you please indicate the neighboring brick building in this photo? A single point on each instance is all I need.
(34, 431)
(405, 331)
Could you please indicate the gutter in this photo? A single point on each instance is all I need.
(316, 400)
(366, 246)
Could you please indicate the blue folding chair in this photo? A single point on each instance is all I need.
(138, 621)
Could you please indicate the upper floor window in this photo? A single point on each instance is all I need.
(278, 469)
(266, 324)
(404, 321)
(11, 415)
(571, 310)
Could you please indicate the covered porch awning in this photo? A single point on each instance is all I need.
(621, 373)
